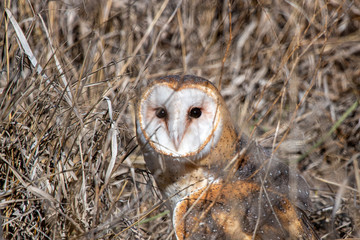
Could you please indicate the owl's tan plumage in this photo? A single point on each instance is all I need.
(219, 184)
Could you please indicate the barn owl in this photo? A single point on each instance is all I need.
(218, 185)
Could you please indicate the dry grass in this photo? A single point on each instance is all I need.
(68, 167)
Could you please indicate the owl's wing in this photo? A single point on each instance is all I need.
(263, 199)
(257, 165)
(239, 210)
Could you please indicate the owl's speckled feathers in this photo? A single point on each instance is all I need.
(219, 185)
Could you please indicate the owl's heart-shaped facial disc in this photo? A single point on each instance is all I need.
(180, 122)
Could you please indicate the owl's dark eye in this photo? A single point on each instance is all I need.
(161, 113)
(195, 112)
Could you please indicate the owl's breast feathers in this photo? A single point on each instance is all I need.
(258, 200)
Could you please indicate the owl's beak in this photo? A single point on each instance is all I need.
(176, 129)
(176, 139)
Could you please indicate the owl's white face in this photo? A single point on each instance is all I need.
(180, 122)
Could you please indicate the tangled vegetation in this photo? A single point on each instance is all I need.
(69, 166)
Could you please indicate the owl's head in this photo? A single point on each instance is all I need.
(180, 116)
